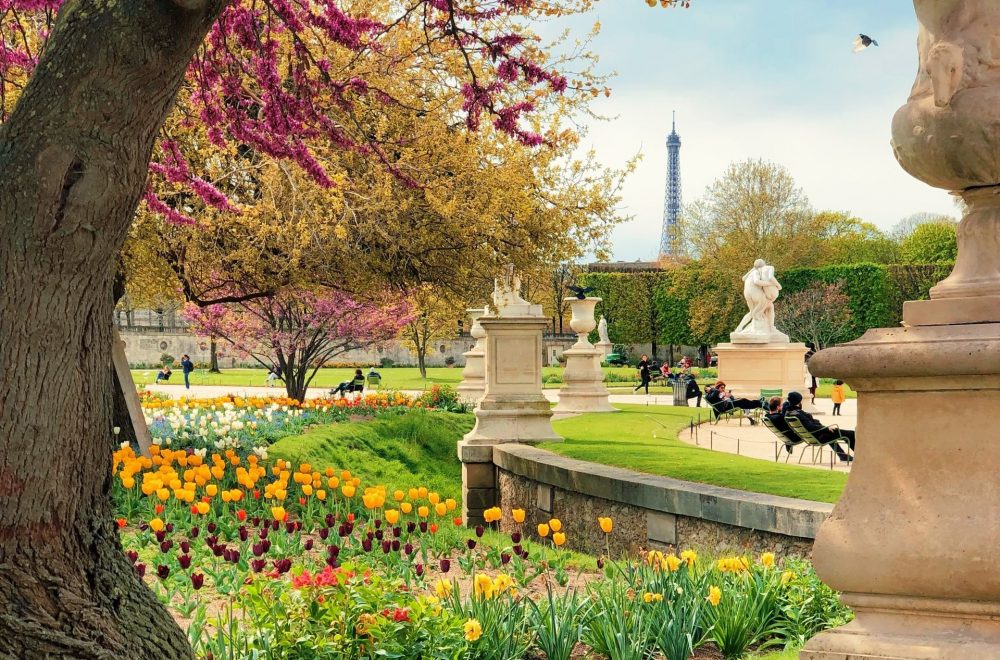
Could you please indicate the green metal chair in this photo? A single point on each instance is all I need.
(765, 395)
(785, 438)
(809, 437)
(374, 381)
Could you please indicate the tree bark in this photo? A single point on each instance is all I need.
(213, 365)
(74, 156)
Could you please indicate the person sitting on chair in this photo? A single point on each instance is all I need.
(775, 415)
(163, 374)
(793, 407)
(272, 375)
(347, 385)
(372, 372)
(722, 401)
(693, 391)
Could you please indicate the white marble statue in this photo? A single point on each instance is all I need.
(507, 290)
(760, 289)
(602, 330)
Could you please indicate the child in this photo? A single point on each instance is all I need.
(837, 396)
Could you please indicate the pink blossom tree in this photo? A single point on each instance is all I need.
(295, 333)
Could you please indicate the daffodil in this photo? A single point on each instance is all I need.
(442, 588)
(714, 595)
(473, 630)
(767, 559)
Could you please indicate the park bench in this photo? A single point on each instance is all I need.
(810, 438)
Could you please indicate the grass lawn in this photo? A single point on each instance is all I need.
(393, 378)
(626, 439)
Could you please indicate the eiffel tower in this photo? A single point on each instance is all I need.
(670, 244)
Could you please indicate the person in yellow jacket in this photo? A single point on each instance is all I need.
(838, 396)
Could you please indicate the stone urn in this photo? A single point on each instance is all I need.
(583, 321)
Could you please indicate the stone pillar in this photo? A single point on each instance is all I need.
(583, 387)
(473, 384)
(512, 410)
(911, 541)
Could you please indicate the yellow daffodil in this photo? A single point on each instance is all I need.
(714, 595)
(689, 557)
(767, 559)
(442, 588)
(672, 562)
(473, 630)
(482, 586)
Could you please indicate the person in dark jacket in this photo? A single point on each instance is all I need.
(793, 408)
(693, 391)
(348, 385)
(643, 368)
(188, 366)
(722, 401)
(777, 418)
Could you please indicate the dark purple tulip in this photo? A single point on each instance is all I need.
(227, 554)
(369, 535)
(342, 531)
(308, 544)
(367, 545)
(298, 525)
(162, 571)
(600, 562)
(349, 526)
(332, 562)
(515, 537)
(330, 519)
(166, 545)
(471, 543)
(263, 532)
(410, 526)
(143, 527)
(445, 565)
(197, 580)
(257, 565)
(378, 523)
(256, 521)
(170, 528)
(517, 550)
(266, 544)
(324, 532)
(397, 532)
(235, 557)
(419, 568)
(160, 535)
(184, 561)
(423, 526)
(283, 565)
(395, 545)
(333, 550)
(480, 530)
(504, 558)
(218, 550)
(524, 555)
(140, 568)
(193, 534)
(275, 525)
(257, 549)
(289, 527)
(211, 540)
(132, 555)
(408, 549)
(185, 547)
(211, 527)
(244, 533)
(386, 547)
(379, 533)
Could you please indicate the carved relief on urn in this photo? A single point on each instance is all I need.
(948, 133)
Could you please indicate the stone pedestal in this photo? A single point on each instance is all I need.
(605, 348)
(473, 385)
(583, 387)
(911, 541)
(513, 408)
(747, 368)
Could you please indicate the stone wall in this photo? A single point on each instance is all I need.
(144, 346)
(648, 511)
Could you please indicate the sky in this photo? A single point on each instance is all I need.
(769, 79)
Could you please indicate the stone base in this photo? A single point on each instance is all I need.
(605, 348)
(528, 420)
(583, 387)
(479, 481)
(951, 311)
(913, 628)
(749, 368)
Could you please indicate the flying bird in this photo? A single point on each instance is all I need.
(863, 41)
(580, 291)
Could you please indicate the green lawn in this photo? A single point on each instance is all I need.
(644, 438)
(393, 378)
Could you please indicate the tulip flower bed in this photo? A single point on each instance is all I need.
(262, 558)
(250, 425)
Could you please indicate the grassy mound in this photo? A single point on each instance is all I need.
(399, 450)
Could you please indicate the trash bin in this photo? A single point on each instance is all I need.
(680, 392)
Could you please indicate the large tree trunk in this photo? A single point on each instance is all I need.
(74, 157)
(213, 366)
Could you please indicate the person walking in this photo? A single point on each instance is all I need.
(188, 366)
(837, 396)
(643, 367)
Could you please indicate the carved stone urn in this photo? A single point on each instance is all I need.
(911, 542)
(583, 387)
(582, 321)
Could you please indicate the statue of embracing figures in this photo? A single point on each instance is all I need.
(760, 289)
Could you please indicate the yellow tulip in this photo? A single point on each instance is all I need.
(227, 496)
(398, 495)
(518, 515)
(543, 530)
(128, 483)
(333, 482)
(211, 490)
(320, 494)
(555, 524)
(423, 512)
(392, 516)
(558, 538)
(307, 490)
(412, 494)
(451, 504)
(348, 490)
(433, 498)
(279, 513)
(156, 525)
(606, 524)
(406, 507)
(163, 494)
(422, 492)
(203, 507)
(441, 509)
